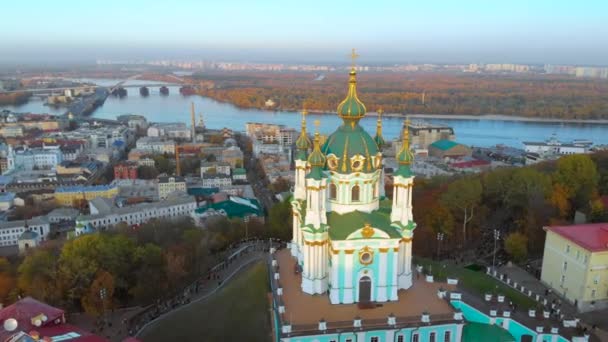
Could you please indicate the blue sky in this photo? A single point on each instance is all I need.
(532, 31)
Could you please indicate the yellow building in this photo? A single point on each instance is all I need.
(68, 195)
(575, 264)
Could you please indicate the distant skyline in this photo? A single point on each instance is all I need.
(480, 31)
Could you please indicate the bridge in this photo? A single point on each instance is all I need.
(51, 91)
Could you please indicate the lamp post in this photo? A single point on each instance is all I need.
(439, 239)
(102, 296)
(496, 237)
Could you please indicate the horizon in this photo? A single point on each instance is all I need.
(438, 32)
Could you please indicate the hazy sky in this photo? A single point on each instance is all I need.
(525, 31)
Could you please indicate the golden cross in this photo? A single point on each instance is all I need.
(353, 57)
(304, 113)
(380, 112)
(317, 124)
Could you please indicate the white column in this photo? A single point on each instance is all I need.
(393, 294)
(334, 295)
(348, 279)
(408, 257)
(381, 295)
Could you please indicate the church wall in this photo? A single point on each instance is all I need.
(387, 335)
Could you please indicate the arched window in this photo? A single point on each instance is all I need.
(355, 194)
(333, 191)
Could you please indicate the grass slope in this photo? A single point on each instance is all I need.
(238, 312)
(476, 282)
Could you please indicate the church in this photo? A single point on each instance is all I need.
(349, 240)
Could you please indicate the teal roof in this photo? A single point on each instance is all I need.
(238, 207)
(347, 141)
(239, 171)
(202, 192)
(404, 171)
(444, 144)
(342, 225)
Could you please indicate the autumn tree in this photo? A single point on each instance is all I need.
(150, 268)
(99, 296)
(279, 220)
(7, 280)
(463, 196)
(578, 176)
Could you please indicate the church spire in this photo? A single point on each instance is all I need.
(351, 108)
(303, 142)
(378, 138)
(316, 158)
(405, 157)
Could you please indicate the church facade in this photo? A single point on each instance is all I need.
(349, 240)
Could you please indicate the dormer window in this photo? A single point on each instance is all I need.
(356, 163)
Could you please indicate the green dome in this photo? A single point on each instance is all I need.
(405, 157)
(351, 107)
(303, 142)
(347, 141)
(316, 160)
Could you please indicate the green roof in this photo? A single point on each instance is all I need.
(351, 107)
(235, 207)
(239, 171)
(342, 225)
(403, 171)
(444, 144)
(347, 141)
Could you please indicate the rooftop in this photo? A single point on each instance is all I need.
(444, 144)
(592, 236)
(85, 188)
(303, 310)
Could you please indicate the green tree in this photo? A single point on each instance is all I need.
(150, 268)
(7, 280)
(516, 245)
(98, 298)
(163, 164)
(463, 196)
(279, 220)
(147, 172)
(38, 276)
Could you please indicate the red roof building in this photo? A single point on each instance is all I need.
(125, 170)
(592, 236)
(39, 320)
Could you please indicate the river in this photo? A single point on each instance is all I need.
(175, 107)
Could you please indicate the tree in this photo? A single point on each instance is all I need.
(7, 280)
(578, 175)
(439, 219)
(279, 220)
(280, 185)
(147, 172)
(516, 245)
(163, 165)
(463, 196)
(150, 268)
(99, 296)
(38, 276)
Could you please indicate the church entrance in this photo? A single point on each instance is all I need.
(365, 289)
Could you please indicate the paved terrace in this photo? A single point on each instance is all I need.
(304, 311)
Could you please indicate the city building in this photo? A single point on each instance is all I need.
(62, 214)
(422, 134)
(133, 121)
(70, 195)
(575, 264)
(239, 175)
(172, 130)
(31, 320)
(10, 231)
(270, 138)
(448, 149)
(170, 184)
(28, 159)
(215, 167)
(231, 207)
(7, 200)
(351, 248)
(213, 180)
(125, 170)
(553, 146)
(233, 156)
(153, 144)
(105, 214)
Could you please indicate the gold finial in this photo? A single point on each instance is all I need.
(406, 132)
(380, 112)
(304, 113)
(353, 57)
(317, 124)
